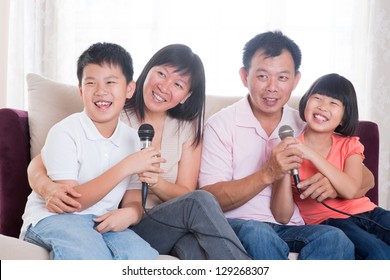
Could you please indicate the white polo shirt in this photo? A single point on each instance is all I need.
(75, 150)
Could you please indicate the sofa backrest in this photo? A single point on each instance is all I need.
(50, 102)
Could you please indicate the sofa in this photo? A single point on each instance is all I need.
(23, 134)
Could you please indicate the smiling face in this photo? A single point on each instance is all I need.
(270, 81)
(323, 113)
(164, 88)
(104, 91)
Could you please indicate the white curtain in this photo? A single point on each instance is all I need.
(4, 20)
(348, 37)
(378, 89)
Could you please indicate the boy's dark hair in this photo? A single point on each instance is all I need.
(272, 44)
(340, 88)
(109, 53)
(186, 62)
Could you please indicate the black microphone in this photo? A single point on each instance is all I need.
(145, 133)
(285, 131)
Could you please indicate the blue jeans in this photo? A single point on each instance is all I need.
(194, 228)
(371, 241)
(269, 241)
(73, 237)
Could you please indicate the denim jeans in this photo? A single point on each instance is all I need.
(73, 237)
(269, 241)
(192, 225)
(371, 241)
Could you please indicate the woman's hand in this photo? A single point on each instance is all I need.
(59, 198)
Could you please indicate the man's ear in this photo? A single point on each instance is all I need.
(186, 97)
(130, 89)
(297, 79)
(80, 90)
(244, 76)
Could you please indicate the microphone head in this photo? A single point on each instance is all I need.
(285, 131)
(146, 132)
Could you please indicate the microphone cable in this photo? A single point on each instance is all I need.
(357, 216)
(193, 232)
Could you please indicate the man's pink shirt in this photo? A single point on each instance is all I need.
(235, 146)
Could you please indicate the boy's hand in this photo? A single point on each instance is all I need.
(146, 160)
(116, 220)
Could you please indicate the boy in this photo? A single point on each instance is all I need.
(94, 152)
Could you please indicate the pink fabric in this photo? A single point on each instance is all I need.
(314, 212)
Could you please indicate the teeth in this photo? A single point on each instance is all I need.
(103, 103)
(159, 98)
(320, 117)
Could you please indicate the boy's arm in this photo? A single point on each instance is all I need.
(142, 161)
(282, 202)
(130, 213)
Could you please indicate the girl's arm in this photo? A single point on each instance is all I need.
(346, 182)
(282, 202)
(187, 176)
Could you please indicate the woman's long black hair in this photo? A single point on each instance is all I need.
(186, 62)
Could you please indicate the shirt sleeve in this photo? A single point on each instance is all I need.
(217, 155)
(59, 154)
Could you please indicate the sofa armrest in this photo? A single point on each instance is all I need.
(14, 159)
(368, 133)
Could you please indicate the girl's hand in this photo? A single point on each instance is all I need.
(317, 187)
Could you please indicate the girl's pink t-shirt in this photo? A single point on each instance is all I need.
(314, 212)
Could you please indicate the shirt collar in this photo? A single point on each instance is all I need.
(246, 118)
(92, 133)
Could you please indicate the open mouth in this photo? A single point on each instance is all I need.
(320, 118)
(103, 105)
(158, 97)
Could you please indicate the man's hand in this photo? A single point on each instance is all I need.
(317, 187)
(59, 198)
(283, 158)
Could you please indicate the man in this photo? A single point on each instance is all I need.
(243, 156)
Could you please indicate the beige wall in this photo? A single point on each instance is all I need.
(4, 16)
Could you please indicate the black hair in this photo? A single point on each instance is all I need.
(109, 53)
(186, 62)
(272, 43)
(340, 88)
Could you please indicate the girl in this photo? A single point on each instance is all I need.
(328, 146)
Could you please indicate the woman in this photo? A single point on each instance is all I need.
(170, 95)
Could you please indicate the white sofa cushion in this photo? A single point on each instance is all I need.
(48, 103)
